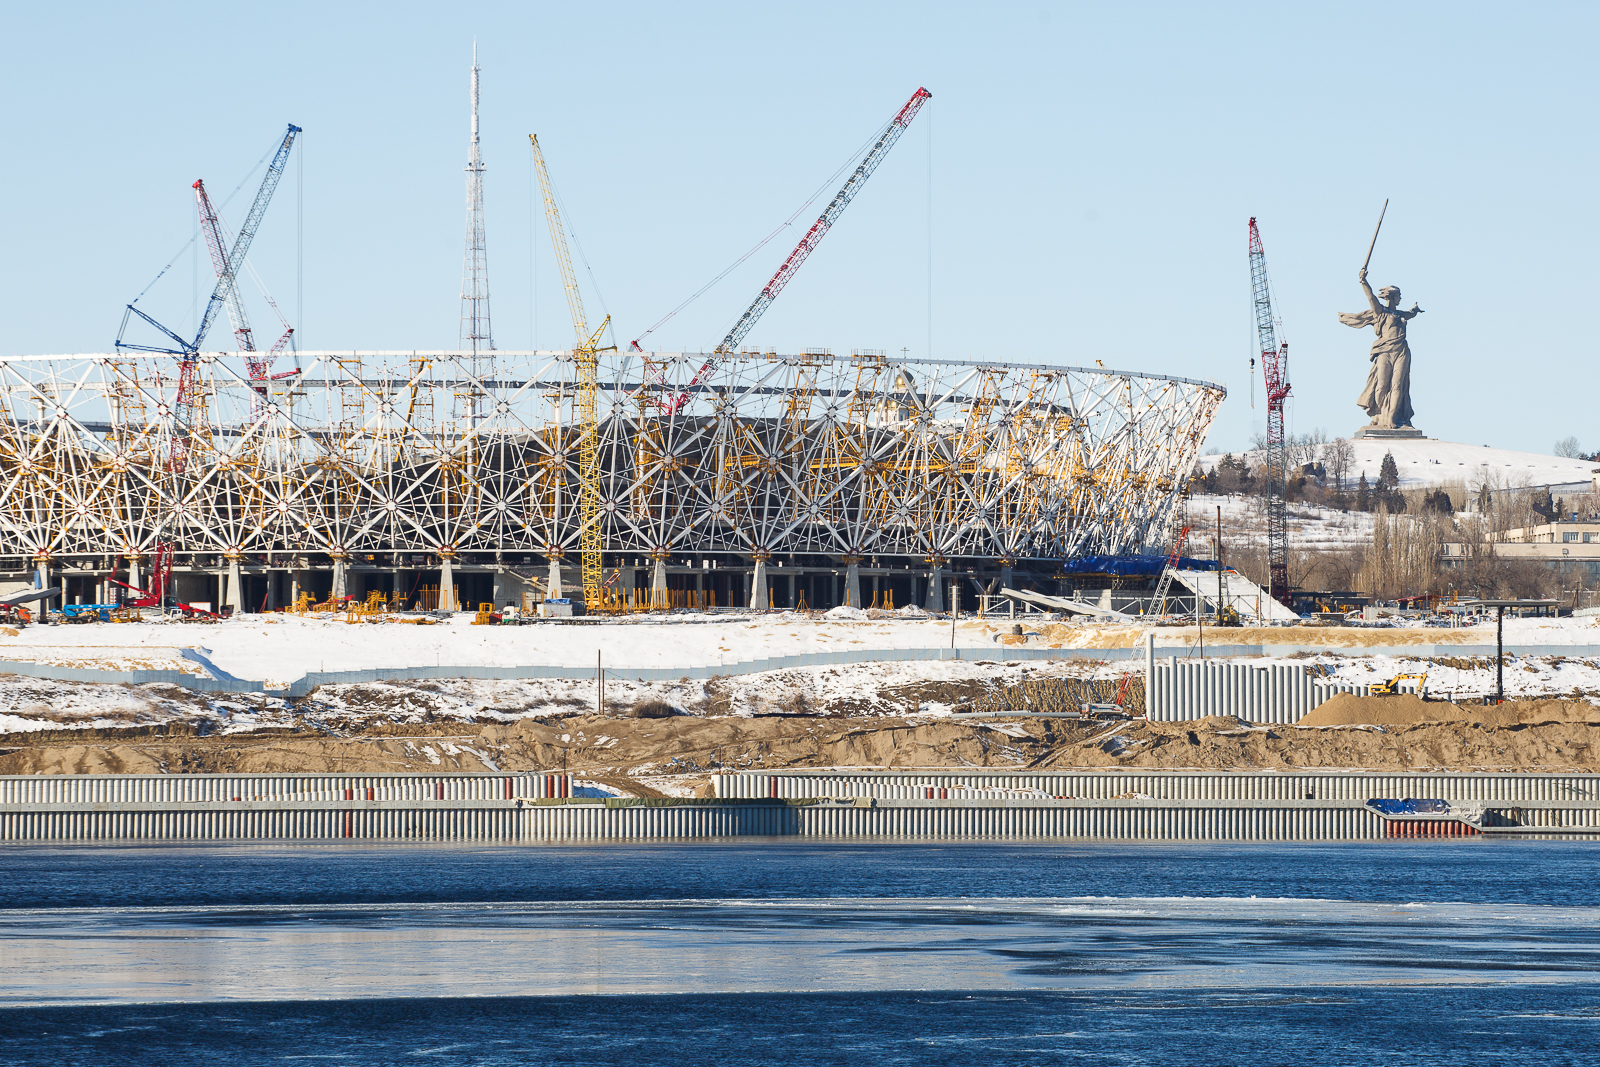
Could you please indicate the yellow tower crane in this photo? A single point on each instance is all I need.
(586, 355)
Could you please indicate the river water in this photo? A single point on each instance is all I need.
(784, 952)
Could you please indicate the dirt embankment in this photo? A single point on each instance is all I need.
(1372, 733)
(589, 743)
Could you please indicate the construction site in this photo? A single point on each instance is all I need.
(612, 478)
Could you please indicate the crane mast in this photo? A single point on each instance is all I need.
(1275, 370)
(585, 354)
(758, 307)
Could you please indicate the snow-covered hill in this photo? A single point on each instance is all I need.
(1424, 462)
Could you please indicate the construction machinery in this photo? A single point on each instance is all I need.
(752, 314)
(12, 612)
(87, 612)
(1275, 369)
(157, 594)
(585, 354)
(1391, 687)
(257, 365)
(188, 391)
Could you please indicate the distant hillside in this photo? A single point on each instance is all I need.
(1423, 462)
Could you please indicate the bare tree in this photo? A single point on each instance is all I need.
(1568, 447)
(1339, 455)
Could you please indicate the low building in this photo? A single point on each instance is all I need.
(1572, 546)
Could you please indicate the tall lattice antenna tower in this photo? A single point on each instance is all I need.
(477, 337)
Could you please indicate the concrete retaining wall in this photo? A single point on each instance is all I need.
(224, 683)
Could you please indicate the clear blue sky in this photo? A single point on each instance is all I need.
(1092, 170)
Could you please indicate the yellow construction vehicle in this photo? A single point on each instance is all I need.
(1390, 688)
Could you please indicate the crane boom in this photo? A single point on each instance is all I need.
(841, 200)
(1275, 370)
(247, 234)
(217, 245)
(585, 355)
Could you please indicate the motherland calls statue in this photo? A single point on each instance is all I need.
(1387, 397)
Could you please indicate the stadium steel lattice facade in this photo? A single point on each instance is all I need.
(368, 469)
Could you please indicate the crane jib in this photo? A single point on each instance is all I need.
(247, 233)
(813, 237)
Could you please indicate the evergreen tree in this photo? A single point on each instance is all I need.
(1388, 474)
(1485, 498)
(1363, 494)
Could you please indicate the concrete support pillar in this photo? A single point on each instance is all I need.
(658, 581)
(758, 585)
(294, 579)
(1005, 575)
(397, 588)
(447, 582)
(135, 579)
(935, 586)
(338, 578)
(552, 589)
(41, 580)
(235, 599)
(852, 581)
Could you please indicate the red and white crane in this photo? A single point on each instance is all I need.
(869, 163)
(258, 365)
(1275, 369)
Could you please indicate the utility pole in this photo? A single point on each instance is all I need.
(1222, 589)
(955, 608)
(1499, 633)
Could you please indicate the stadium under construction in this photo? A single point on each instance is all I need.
(228, 479)
(778, 480)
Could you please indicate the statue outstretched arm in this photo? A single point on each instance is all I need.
(1413, 313)
(1372, 301)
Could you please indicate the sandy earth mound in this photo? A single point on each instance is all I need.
(1405, 709)
(676, 755)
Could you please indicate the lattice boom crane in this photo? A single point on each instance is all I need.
(585, 353)
(1275, 369)
(259, 365)
(869, 163)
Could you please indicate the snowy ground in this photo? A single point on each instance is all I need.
(1423, 462)
(281, 648)
(1526, 677)
(927, 689)
(1244, 517)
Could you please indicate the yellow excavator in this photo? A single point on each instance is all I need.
(1391, 687)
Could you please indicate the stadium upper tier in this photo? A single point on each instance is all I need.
(344, 452)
